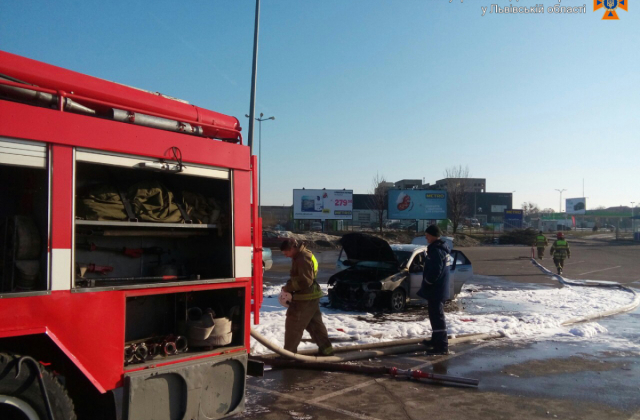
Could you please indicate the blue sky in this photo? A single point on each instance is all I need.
(403, 88)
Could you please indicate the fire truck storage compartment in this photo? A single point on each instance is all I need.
(182, 324)
(136, 225)
(24, 216)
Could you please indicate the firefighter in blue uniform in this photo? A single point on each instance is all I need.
(435, 281)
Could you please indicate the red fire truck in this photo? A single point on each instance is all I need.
(127, 246)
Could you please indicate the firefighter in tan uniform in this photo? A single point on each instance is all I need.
(559, 251)
(541, 242)
(304, 309)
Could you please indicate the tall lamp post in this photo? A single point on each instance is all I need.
(260, 158)
(560, 202)
(633, 221)
(254, 76)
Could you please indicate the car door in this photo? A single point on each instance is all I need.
(461, 270)
(416, 268)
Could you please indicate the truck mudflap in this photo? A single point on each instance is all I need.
(211, 388)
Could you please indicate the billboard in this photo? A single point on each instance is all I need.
(417, 205)
(576, 205)
(513, 218)
(498, 208)
(323, 204)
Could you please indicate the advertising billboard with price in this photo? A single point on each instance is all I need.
(417, 205)
(323, 204)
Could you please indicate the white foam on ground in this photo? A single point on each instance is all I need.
(518, 314)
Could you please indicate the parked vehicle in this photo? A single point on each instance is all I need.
(267, 259)
(272, 239)
(471, 222)
(383, 276)
(316, 226)
(126, 244)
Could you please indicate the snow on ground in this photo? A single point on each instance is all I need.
(518, 314)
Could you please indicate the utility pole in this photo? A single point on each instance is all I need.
(254, 73)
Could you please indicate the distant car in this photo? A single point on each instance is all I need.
(471, 222)
(383, 276)
(401, 225)
(316, 226)
(267, 259)
(272, 239)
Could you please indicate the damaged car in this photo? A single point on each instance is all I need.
(380, 276)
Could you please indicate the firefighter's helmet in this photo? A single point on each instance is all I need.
(285, 298)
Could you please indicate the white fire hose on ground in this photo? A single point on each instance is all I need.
(366, 351)
(626, 308)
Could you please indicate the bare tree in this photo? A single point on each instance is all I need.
(456, 193)
(378, 198)
(530, 209)
(547, 210)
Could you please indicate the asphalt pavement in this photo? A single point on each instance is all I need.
(523, 380)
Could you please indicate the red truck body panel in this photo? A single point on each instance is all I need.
(89, 327)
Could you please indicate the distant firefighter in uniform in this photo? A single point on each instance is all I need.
(559, 251)
(540, 243)
(304, 309)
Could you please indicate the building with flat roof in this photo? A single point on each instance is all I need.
(471, 184)
(407, 184)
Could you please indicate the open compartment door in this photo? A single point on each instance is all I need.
(256, 225)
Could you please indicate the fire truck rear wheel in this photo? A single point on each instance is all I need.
(21, 397)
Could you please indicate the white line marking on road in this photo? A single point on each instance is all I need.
(316, 404)
(373, 381)
(596, 271)
(349, 389)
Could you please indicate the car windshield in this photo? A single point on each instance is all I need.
(403, 257)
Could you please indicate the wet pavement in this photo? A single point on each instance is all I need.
(579, 379)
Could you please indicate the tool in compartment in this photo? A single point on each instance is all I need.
(94, 268)
(129, 252)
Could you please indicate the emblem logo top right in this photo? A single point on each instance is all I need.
(610, 7)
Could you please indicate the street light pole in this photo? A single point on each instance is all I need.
(254, 75)
(560, 201)
(633, 221)
(260, 159)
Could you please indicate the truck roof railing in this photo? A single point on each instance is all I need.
(36, 83)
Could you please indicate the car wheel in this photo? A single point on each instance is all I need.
(398, 300)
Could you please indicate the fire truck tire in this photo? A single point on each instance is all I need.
(21, 396)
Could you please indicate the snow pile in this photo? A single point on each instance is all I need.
(518, 314)
(588, 330)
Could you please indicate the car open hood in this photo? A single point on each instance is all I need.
(362, 247)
